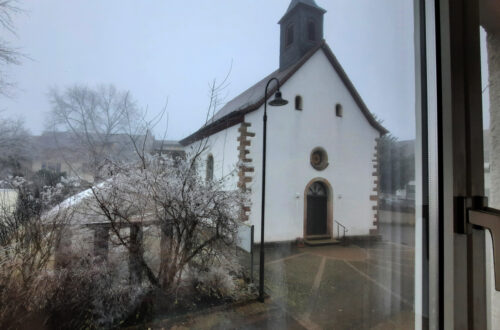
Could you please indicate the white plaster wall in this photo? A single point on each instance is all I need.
(292, 135)
(223, 146)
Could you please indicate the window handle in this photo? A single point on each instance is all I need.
(489, 218)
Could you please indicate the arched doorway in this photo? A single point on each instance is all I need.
(318, 209)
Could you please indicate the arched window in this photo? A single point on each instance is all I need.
(311, 30)
(298, 102)
(289, 35)
(338, 110)
(210, 168)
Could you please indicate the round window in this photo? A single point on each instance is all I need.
(319, 159)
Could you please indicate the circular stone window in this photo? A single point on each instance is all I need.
(319, 159)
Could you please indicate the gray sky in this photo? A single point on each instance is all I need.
(159, 49)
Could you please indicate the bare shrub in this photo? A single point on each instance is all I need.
(90, 294)
(215, 279)
(34, 289)
(28, 238)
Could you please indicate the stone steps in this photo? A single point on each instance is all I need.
(321, 242)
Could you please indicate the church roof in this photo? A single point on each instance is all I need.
(252, 99)
(251, 96)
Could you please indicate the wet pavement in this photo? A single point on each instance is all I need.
(359, 286)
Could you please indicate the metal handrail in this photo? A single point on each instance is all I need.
(344, 229)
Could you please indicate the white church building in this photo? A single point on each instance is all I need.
(322, 164)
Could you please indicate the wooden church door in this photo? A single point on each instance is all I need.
(317, 209)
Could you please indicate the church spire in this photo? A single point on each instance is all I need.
(301, 30)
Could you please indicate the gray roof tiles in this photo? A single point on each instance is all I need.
(249, 97)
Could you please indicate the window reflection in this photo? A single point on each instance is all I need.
(121, 227)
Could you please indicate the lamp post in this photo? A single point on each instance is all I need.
(277, 102)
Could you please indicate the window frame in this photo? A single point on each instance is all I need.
(449, 95)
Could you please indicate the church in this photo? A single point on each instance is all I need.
(321, 166)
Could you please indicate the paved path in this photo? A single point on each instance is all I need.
(366, 286)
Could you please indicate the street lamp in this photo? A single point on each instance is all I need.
(277, 102)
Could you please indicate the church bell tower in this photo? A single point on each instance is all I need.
(301, 30)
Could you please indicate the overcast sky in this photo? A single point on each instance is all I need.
(159, 49)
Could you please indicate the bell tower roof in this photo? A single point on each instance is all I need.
(301, 31)
(295, 3)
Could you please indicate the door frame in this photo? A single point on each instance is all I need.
(329, 206)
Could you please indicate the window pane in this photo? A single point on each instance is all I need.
(120, 211)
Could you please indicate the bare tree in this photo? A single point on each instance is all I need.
(14, 146)
(8, 55)
(396, 165)
(100, 121)
(196, 219)
(13, 135)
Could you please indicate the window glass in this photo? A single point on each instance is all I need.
(339, 111)
(127, 225)
(298, 102)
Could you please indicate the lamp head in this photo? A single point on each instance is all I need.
(278, 100)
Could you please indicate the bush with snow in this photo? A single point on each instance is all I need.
(197, 219)
(35, 291)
